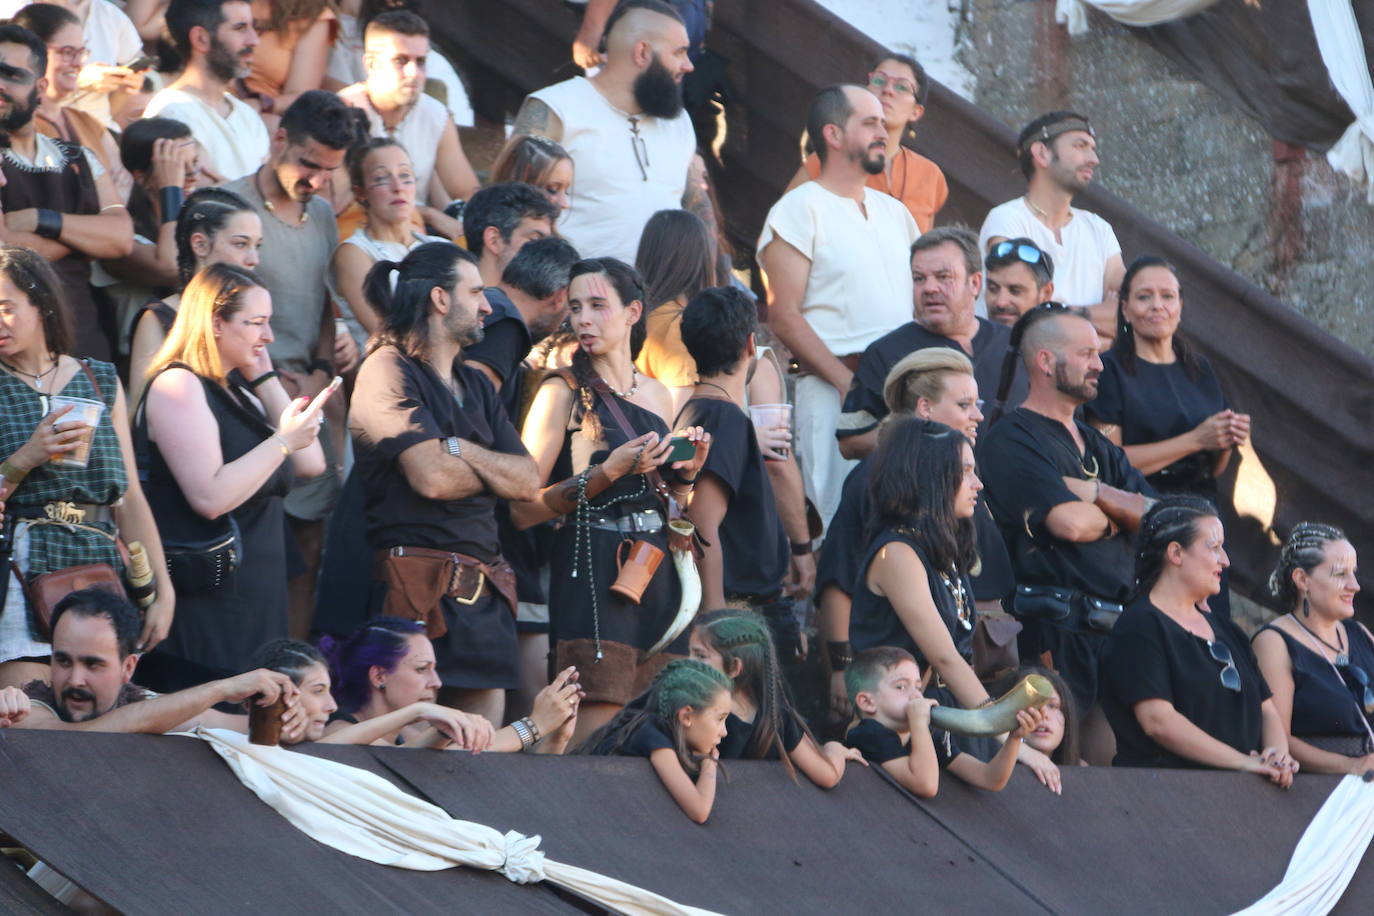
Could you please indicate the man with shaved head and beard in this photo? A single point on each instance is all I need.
(627, 131)
(1068, 503)
(835, 253)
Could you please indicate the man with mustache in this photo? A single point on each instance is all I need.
(627, 132)
(56, 197)
(836, 255)
(1058, 155)
(395, 49)
(215, 39)
(94, 633)
(946, 278)
(1068, 503)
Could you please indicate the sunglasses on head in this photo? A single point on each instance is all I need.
(1230, 675)
(1360, 677)
(1027, 253)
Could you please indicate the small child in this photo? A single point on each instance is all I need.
(762, 723)
(884, 685)
(677, 724)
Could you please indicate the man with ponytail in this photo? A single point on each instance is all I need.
(1067, 501)
(436, 450)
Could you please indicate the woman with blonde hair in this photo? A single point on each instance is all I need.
(217, 471)
(536, 161)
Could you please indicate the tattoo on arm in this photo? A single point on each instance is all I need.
(533, 118)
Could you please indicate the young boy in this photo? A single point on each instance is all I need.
(885, 687)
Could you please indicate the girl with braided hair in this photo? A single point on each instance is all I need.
(678, 723)
(762, 724)
(1317, 659)
(1182, 688)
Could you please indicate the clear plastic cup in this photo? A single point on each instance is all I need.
(768, 417)
(84, 410)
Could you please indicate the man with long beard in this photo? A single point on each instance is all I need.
(216, 40)
(835, 252)
(627, 131)
(56, 198)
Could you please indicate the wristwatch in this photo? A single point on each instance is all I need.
(454, 446)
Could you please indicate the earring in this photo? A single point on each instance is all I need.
(1306, 608)
(382, 686)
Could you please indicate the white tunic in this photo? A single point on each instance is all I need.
(1080, 259)
(419, 132)
(235, 145)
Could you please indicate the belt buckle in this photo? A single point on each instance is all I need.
(64, 512)
(476, 592)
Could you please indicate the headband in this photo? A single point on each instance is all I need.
(1049, 131)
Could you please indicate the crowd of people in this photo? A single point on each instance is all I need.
(296, 409)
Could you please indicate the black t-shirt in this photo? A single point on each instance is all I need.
(1023, 460)
(874, 622)
(738, 733)
(650, 735)
(864, 406)
(504, 345)
(1160, 402)
(1325, 703)
(753, 544)
(843, 550)
(399, 402)
(1150, 656)
(879, 744)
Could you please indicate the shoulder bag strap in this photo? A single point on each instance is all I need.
(603, 391)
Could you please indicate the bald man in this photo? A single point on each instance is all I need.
(1068, 502)
(627, 133)
(835, 254)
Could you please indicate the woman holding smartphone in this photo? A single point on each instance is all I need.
(217, 471)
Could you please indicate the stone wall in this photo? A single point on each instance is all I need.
(1277, 215)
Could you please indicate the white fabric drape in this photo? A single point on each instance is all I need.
(1073, 14)
(359, 813)
(1327, 855)
(1342, 50)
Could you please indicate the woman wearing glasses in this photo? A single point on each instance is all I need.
(1182, 688)
(1316, 658)
(900, 84)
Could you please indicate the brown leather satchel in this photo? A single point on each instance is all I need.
(45, 591)
(994, 646)
(418, 578)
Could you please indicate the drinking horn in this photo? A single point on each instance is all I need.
(996, 718)
(680, 533)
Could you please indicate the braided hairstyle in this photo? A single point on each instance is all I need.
(683, 682)
(290, 657)
(1042, 312)
(744, 636)
(629, 286)
(206, 211)
(381, 642)
(1305, 549)
(1172, 519)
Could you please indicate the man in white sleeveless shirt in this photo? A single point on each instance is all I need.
(632, 144)
(395, 50)
(836, 256)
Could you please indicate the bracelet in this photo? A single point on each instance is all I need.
(534, 729)
(263, 379)
(171, 198)
(49, 224)
(523, 733)
(322, 365)
(802, 549)
(840, 654)
(12, 472)
(285, 448)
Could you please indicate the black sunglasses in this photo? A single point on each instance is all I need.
(1357, 674)
(1230, 675)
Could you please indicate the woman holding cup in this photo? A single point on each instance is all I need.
(71, 486)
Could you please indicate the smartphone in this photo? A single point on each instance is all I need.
(140, 63)
(683, 449)
(329, 389)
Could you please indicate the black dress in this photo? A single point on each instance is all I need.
(1328, 703)
(215, 634)
(1150, 656)
(874, 622)
(580, 626)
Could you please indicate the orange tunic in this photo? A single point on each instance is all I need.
(272, 58)
(664, 356)
(916, 181)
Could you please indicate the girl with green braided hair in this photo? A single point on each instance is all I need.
(762, 724)
(677, 723)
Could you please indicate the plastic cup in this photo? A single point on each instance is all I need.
(83, 410)
(768, 417)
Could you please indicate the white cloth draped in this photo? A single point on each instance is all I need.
(1342, 50)
(359, 813)
(1326, 857)
(1074, 14)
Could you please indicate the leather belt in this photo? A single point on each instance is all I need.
(644, 521)
(64, 513)
(463, 587)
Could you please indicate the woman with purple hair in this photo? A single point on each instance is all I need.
(385, 683)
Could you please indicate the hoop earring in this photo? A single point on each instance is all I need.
(1306, 608)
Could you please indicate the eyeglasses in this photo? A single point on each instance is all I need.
(880, 80)
(1357, 674)
(1230, 676)
(1027, 253)
(641, 150)
(70, 55)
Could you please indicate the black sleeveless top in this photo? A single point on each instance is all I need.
(874, 622)
(1328, 701)
(580, 452)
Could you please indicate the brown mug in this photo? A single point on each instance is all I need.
(636, 570)
(264, 722)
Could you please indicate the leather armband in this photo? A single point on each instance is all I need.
(562, 497)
